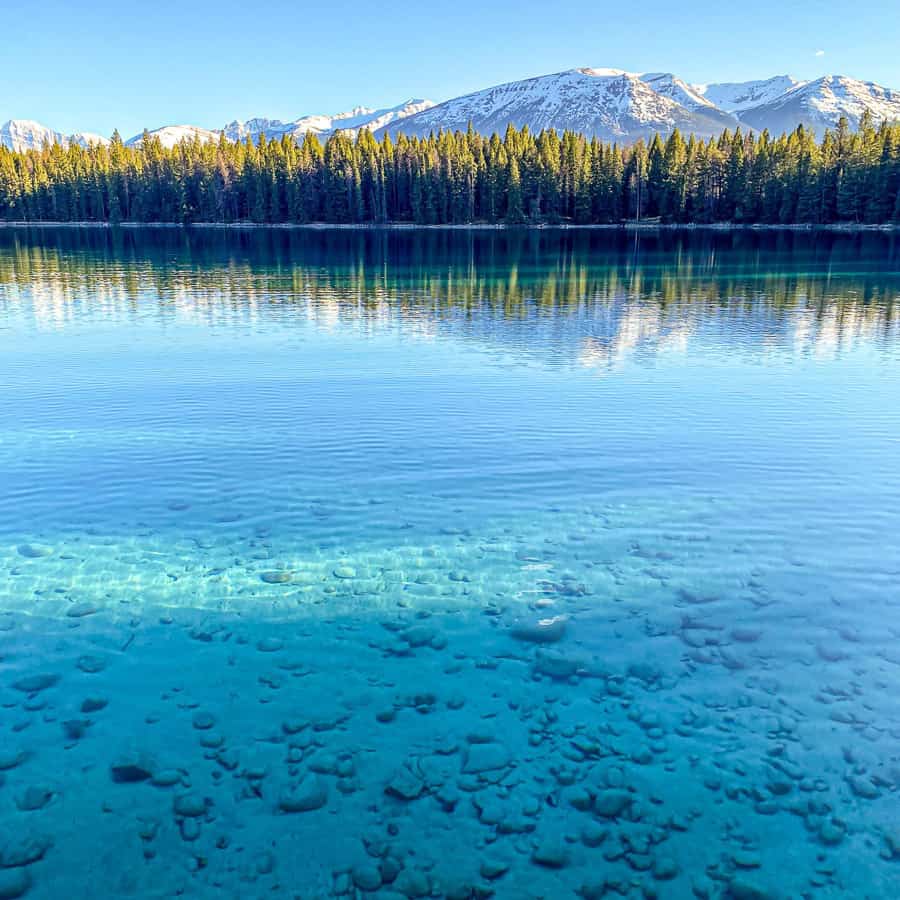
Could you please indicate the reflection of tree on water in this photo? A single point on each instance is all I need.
(611, 293)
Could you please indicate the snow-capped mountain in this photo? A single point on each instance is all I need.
(612, 104)
(623, 106)
(171, 135)
(819, 105)
(674, 88)
(609, 103)
(24, 134)
(352, 121)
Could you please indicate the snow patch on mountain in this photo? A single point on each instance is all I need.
(675, 89)
(172, 135)
(737, 96)
(25, 134)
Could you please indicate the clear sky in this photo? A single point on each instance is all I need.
(95, 65)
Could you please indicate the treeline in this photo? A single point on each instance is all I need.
(457, 178)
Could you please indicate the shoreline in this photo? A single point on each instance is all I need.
(844, 227)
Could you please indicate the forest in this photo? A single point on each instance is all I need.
(849, 176)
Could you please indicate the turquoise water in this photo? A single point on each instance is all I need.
(468, 564)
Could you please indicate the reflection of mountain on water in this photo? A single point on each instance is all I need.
(589, 296)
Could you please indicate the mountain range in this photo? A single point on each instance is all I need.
(612, 104)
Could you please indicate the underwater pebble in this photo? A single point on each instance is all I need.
(542, 631)
(189, 805)
(166, 778)
(203, 720)
(278, 577)
(91, 664)
(366, 877)
(269, 645)
(412, 883)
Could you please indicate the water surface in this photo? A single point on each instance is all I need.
(395, 564)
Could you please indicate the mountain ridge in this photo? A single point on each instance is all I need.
(609, 103)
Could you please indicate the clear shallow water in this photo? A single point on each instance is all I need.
(682, 450)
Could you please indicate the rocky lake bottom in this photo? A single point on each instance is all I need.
(604, 609)
(510, 715)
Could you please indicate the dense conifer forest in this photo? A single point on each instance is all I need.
(458, 178)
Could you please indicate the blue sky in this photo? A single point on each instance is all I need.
(96, 65)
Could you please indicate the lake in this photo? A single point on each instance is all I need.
(394, 564)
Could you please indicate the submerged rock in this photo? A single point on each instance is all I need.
(741, 888)
(278, 577)
(269, 645)
(81, 610)
(542, 631)
(166, 778)
(203, 721)
(863, 787)
(550, 853)
(366, 877)
(405, 784)
(189, 805)
(24, 850)
(34, 551)
(304, 796)
(483, 757)
(32, 684)
(612, 803)
(556, 665)
(91, 664)
(412, 883)
(131, 768)
(34, 797)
